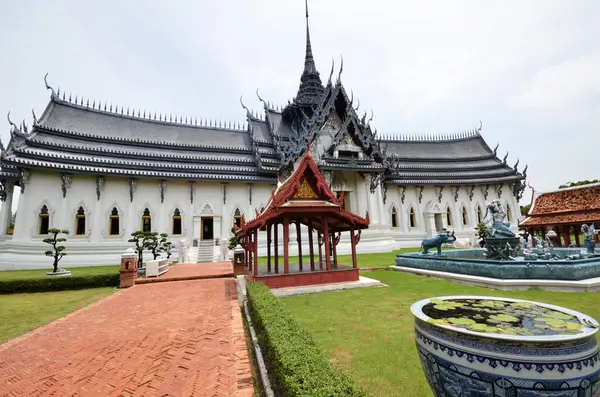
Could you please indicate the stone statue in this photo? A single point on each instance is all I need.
(588, 238)
(538, 242)
(183, 251)
(437, 241)
(498, 228)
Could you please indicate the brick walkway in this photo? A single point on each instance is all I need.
(181, 338)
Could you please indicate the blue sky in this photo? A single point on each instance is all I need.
(530, 70)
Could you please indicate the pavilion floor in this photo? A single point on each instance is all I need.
(306, 276)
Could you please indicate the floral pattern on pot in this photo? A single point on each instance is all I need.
(460, 361)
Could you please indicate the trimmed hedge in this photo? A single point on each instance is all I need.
(58, 283)
(296, 366)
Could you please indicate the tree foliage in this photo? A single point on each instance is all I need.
(233, 240)
(482, 233)
(578, 183)
(525, 209)
(58, 251)
(166, 246)
(155, 242)
(138, 239)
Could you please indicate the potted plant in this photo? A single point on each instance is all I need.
(487, 346)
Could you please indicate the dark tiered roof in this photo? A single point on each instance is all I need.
(77, 136)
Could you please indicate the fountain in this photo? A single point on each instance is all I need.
(507, 256)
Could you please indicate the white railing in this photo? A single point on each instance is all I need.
(157, 267)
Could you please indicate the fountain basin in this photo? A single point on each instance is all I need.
(462, 362)
(473, 262)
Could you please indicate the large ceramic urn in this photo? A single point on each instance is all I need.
(477, 346)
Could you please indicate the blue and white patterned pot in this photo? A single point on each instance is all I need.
(463, 363)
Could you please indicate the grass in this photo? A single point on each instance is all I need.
(75, 271)
(20, 313)
(364, 260)
(369, 332)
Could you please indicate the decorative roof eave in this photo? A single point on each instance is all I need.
(76, 160)
(499, 173)
(565, 218)
(101, 150)
(466, 181)
(137, 142)
(219, 176)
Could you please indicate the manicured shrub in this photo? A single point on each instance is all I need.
(46, 284)
(295, 364)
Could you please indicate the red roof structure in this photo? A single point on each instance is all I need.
(563, 210)
(303, 199)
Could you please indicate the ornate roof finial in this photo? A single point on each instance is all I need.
(357, 104)
(505, 158)
(260, 99)
(311, 89)
(480, 126)
(48, 86)
(14, 126)
(35, 120)
(339, 79)
(496, 149)
(331, 73)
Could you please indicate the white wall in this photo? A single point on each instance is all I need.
(25, 248)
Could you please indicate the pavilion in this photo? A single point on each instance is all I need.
(303, 199)
(564, 211)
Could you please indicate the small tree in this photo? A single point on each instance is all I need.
(138, 239)
(155, 242)
(233, 240)
(166, 245)
(57, 251)
(482, 233)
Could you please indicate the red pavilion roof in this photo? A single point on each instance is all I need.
(306, 197)
(566, 206)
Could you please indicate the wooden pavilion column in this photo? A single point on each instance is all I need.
(544, 234)
(567, 235)
(327, 239)
(269, 248)
(276, 232)
(311, 251)
(353, 246)
(531, 232)
(249, 251)
(299, 239)
(558, 233)
(319, 239)
(334, 245)
(255, 251)
(286, 237)
(576, 229)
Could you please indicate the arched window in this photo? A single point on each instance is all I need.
(114, 222)
(394, 217)
(176, 226)
(237, 218)
(413, 221)
(146, 221)
(508, 213)
(264, 228)
(44, 220)
(465, 216)
(80, 222)
(479, 214)
(448, 216)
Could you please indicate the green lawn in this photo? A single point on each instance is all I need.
(20, 313)
(364, 260)
(75, 271)
(369, 331)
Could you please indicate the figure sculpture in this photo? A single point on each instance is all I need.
(588, 238)
(183, 251)
(498, 227)
(437, 241)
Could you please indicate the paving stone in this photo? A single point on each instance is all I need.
(181, 338)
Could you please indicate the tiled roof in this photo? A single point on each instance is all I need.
(565, 206)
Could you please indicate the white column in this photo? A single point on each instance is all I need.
(370, 205)
(5, 211)
(361, 206)
(95, 219)
(380, 206)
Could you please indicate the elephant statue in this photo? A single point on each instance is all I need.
(437, 241)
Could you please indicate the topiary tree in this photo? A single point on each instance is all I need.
(155, 242)
(57, 251)
(233, 240)
(166, 245)
(482, 233)
(138, 239)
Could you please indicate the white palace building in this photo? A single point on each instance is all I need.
(103, 172)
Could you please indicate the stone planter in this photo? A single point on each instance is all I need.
(461, 362)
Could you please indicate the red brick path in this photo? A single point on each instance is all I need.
(182, 338)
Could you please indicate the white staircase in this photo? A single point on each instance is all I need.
(206, 251)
